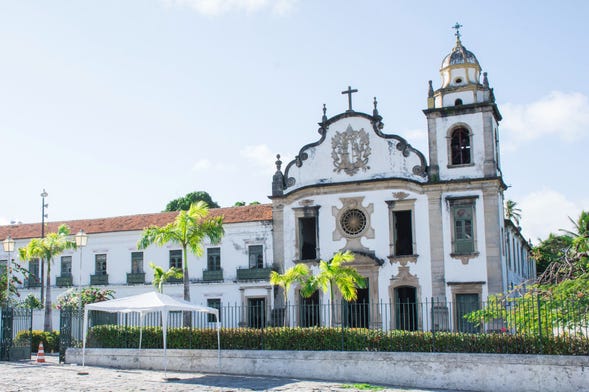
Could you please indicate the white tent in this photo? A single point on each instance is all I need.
(149, 303)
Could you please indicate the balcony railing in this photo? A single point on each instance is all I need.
(135, 277)
(64, 281)
(212, 275)
(253, 273)
(32, 282)
(99, 280)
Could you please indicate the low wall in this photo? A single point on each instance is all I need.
(468, 372)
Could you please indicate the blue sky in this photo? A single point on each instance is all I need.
(116, 107)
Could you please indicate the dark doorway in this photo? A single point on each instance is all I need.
(256, 312)
(406, 308)
(465, 304)
(309, 311)
(356, 314)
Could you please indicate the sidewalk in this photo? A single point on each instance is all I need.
(51, 376)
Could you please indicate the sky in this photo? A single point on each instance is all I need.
(117, 107)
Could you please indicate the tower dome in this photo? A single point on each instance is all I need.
(460, 67)
(459, 55)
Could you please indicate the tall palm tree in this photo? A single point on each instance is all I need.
(333, 275)
(298, 274)
(189, 230)
(512, 212)
(160, 276)
(47, 248)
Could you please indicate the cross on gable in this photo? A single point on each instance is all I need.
(349, 92)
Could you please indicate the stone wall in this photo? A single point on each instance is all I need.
(468, 372)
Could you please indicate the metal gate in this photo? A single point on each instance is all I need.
(70, 330)
(16, 332)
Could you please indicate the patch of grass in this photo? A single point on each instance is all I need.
(363, 387)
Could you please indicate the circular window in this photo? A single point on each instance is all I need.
(353, 221)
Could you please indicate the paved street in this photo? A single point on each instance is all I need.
(30, 376)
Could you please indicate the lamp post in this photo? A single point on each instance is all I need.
(44, 205)
(8, 245)
(81, 241)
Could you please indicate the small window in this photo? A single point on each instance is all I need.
(136, 262)
(403, 233)
(214, 303)
(66, 265)
(460, 147)
(34, 279)
(463, 224)
(100, 264)
(458, 102)
(256, 256)
(458, 80)
(214, 259)
(176, 259)
(308, 238)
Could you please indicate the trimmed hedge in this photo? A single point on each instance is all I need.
(330, 339)
(50, 340)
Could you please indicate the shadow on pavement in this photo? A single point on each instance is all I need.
(241, 382)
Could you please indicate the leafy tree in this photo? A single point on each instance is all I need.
(239, 204)
(254, 203)
(189, 230)
(31, 302)
(298, 274)
(184, 203)
(512, 212)
(47, 248)
(74, 298)
(16, 270)
(551, 250)
(559, 298)
(160, 276)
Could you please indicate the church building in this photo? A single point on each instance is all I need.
(423, 226)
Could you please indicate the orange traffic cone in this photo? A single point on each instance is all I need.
(41, 354)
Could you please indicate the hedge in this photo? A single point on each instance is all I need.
(50, 340)
(329, 339)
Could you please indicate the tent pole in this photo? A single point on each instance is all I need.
(218, 342)
(85, 332)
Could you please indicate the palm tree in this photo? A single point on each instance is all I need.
(580, 235)
(512, 212)
(47, 248)
(334, 274)
(189, 230)
(160, 276)
(298, 274)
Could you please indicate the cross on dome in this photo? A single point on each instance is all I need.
(457, 27)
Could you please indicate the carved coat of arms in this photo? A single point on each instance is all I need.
(350, 151)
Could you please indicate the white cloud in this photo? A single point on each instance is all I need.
(260, 156)
(219, 7)
(547, 211)
(202, 164)
(565, 115)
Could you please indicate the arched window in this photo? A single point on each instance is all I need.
(458, 102)
(460, 146)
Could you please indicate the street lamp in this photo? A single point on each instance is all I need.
(44, 205)
(8, 245)
(81, 241)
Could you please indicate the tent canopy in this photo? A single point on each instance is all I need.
(147, 303)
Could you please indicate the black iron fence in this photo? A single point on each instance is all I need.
(535, 318)
(15, 334)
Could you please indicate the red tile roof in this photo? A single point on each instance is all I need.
(255, 213)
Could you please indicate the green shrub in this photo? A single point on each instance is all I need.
(50, 340)
(329, 339)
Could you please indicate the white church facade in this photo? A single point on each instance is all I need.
(421, 226)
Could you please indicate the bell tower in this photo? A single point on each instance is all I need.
(462, 120)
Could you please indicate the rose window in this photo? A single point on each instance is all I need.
(353, 222)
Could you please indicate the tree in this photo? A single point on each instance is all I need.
(550, 250)
(47, 248)
(189, 230)
(239, 204)
(559, 298)
(298, 274)
(184, 203)
(512, 212)
(16, 270)
(160, 276)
